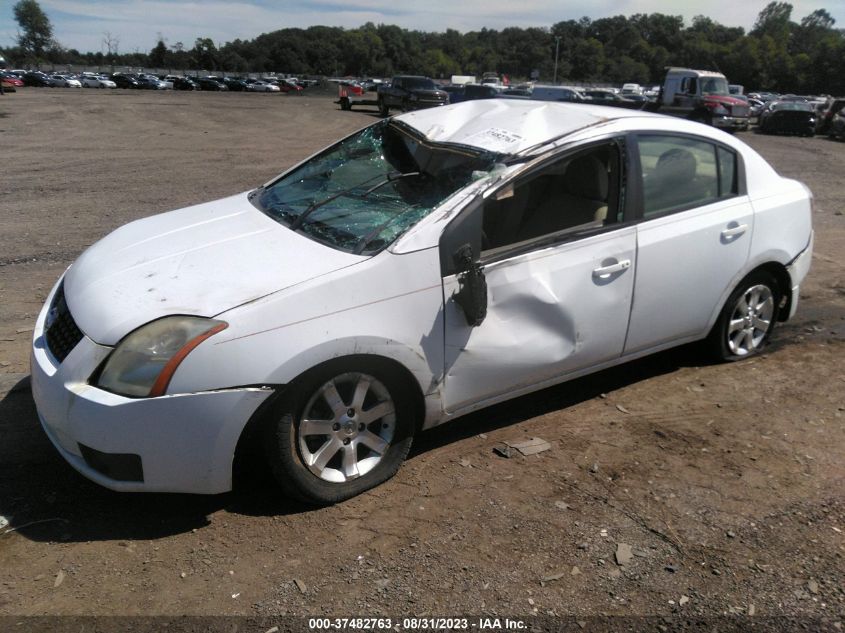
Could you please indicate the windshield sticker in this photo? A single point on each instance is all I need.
(494, 139)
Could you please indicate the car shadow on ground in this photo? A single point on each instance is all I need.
(560, 396)
(44, 499)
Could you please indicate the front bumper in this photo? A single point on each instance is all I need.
(730, 122)
(184, 442)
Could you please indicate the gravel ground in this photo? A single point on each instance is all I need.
(673, 487)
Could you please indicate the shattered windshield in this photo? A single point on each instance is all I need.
(361, 194)
(714, 86)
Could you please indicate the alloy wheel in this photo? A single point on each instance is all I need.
(751, 320)
(346, 427)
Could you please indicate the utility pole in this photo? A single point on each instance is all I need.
(557, 47)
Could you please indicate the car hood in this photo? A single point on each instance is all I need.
(202, 260)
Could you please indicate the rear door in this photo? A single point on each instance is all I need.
(693, 236)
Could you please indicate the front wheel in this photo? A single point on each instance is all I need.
(383, 109)
(746, 322)
(341, 429)
(345, 104)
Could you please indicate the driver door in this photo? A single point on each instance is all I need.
(558, 256)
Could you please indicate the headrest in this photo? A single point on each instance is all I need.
(586, 177)
(676, 165)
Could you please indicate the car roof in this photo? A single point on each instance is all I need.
(510, 125)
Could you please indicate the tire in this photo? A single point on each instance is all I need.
(340, 429)
(383, 108)
(344, 104)
(747, 319)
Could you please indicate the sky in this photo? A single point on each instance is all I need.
(137, 24)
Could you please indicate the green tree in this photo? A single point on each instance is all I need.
(774, 21)
(205, 53)
(587, 59)
(158, 56)
(36, 34)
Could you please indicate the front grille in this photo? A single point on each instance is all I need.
(739, 110)
(62, 331)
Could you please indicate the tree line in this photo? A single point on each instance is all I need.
(778, 53)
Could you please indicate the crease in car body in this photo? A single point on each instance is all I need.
(319, 316)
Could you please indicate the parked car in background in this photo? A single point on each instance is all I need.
(558, 93)
(125, 81)
(427, 266)
(235, 84)
(516, 92)
(11, 82)
(89, 81)
(149, 82)
(37, 79)
(352, 93)
(605, 97)
(183, 83)
(410, 92)
(262, 86)
(764, 96)
(631, 89)
(755, 107)
(64, 81)
(209, 83)
(826, 116)
(470, 92)
(836, 130)
(788, 117)
(288, 87)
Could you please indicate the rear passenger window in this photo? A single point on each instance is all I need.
(680, 173)
(727, 173)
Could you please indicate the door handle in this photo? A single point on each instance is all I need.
(606, 271)
(735, 231)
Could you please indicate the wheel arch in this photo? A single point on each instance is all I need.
(781, 276)
(248, 442)
(773, 267)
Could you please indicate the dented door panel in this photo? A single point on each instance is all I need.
(550, 312)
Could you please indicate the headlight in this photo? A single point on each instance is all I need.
(720, 110)
(143, 363)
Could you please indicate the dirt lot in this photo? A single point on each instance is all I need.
(726, 480)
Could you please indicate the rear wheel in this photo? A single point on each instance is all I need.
(341, 429)
(747, 320)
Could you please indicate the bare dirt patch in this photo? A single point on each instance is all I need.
(726, 480)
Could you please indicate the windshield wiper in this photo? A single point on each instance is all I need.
(297, 223)
(390, 178)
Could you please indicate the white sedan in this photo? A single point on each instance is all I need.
(97, 82)
(65, 81)
(262, 86)
(424, 267)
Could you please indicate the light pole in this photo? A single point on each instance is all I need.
(557, 47)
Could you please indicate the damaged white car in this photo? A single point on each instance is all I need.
(424, 267)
